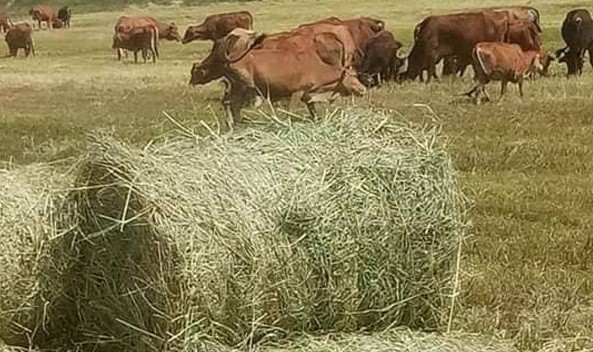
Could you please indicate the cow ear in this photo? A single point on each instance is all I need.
(238, 43)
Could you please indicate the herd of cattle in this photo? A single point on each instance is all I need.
(334, 57)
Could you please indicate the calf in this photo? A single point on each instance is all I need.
(217, 26)
(19, 37)
(380, 58)
(5, 22)
(501, 62)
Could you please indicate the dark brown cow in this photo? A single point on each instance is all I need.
(278, 73)
(217, 26)
(44, 13)
(212, 67)
(523, 33)
(577, 32)
(19, 37)
(5, 21)
(453, 35)
(380, 58)
(501, 62)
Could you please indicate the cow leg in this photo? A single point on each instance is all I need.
(503, 88)
(520, 83)
(485, 93)
(135, 56)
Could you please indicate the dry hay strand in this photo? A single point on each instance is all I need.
(393, 340)
(34, 216)
(349, 224)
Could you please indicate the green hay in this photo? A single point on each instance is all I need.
(346, 225)
(33, 218)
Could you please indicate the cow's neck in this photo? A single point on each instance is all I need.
(526, 61)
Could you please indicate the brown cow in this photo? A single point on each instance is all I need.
(212, 67)
(453, 35)
(380, 58)
(521, 13)
(19, 37)
(362, 30)
(136, 35)
(44, 13)
(501, 62)
(5, 21)
(523, 33)
(128, 23)
(217, 26)
(278, 73)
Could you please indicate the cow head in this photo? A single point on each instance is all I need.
(212, 67)
(572, 59)
(350, 84)
(545, 60)
(195, 33)
(169, 32)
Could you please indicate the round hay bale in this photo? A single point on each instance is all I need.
(349, 224)
(33, 218)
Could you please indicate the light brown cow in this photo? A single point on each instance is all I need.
(217, 26)
(501, 62)
(127, 24)
(278, 73)
(44, 13)
(19, 37)
(213, 66)
(5, 21)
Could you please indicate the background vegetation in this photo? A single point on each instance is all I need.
(526, 164)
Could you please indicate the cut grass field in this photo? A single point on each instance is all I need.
(525, 164)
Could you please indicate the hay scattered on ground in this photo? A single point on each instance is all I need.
(396, 340)
(349, 224)
(33, 217)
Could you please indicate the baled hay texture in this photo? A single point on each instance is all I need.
(33, 217)
(352, 223)
(395, 340)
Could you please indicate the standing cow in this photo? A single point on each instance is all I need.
(19, 37)
(44, 13)
(126, 24)
(218, 26)
(278, 73)
(380, 60)
(64, 15)
(453, 35)
(577, 32)
(5, 22)
(501, 62)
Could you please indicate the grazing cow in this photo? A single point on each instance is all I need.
(453, 35)
(5, 22)
(380, 59)
(44, 13)
(577, 32)
(19, 37)
(217, 26)
(64, 15)
(278, 73)
(213, 66)
(501, 62)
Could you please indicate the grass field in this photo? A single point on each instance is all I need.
(525, 164)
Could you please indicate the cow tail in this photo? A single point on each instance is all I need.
(478, 58)
(154, 41)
